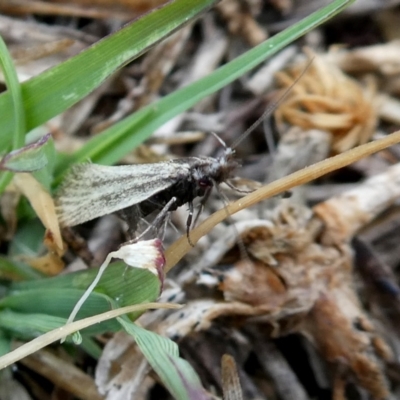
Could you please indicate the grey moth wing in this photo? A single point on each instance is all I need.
(91, 190)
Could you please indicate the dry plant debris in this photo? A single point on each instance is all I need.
(325, 98)
(296, 283)
(240, 21)
(298, 286)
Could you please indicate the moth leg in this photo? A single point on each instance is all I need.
(131, 215)
(236, 189)
(163, 228)
(189, 223)
(162, 215)
(242, 249)
(157, 221)
(190, 217)
(202, 204)
(78, 245)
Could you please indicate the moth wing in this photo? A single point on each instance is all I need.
(91, 190)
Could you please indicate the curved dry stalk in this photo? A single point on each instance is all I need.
(59, 333)
(181, 246)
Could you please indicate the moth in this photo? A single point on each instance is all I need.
(135, 191)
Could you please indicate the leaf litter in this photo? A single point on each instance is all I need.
(300, 293)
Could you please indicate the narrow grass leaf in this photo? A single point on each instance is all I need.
(58, 88)
(91, 347)
(16, 271)
(45, 175)
(5, 343)
(163, 355)
(15, 113)
(28, 240)
(14, 93)
(56, 334)
(27, 326)
(26, 159)
(119, 286)
(125, 284)
(59, 303)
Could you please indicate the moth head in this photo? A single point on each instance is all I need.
(213, 171)
(224, 166)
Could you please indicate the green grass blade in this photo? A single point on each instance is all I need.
(119, 286)
(5, 343)
(40, 306)
(27, 326)
(163, 355)
(91, 347)
(58, 88)
(14, 93)
(27, 158)
(15, 113)
(16, 271)
(127, 285)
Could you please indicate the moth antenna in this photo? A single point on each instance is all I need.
(268, 111)
(223, 144)
(269, 138)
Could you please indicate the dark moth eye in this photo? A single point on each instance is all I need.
(204, 182)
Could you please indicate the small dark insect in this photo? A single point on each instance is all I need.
(135, 191)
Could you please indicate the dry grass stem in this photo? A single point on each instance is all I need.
(59, 333)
